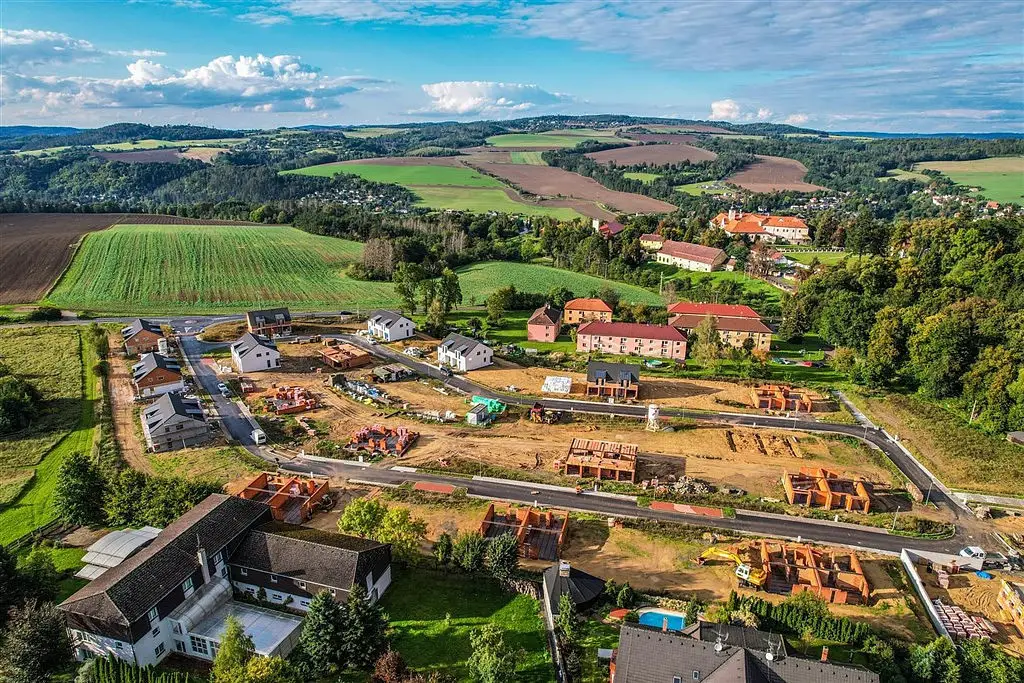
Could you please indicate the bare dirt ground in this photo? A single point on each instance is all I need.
(122, 408)
(773, 173)
(205, 154)
(977, 597)
(654, 155)
(667, 138)
(36, 247)
(548, 181)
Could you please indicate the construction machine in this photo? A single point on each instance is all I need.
(744, 572)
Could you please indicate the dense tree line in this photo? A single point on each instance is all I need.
(946, 319)
(19, 402)
(118, 132)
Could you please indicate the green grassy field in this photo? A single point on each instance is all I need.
(511, 330)
(900, 174)
(482, 200)
(828, 258)
(704, 187)
(481, 279)
(642, 177)
(34, 506)
(1000, 179)
(170, 268)
(372, 132)
(459, 176)
(157, 144)
(433, 614)
(532, 158)
(543, 139)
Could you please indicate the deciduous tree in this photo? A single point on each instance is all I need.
(78, 494)
(503, 556)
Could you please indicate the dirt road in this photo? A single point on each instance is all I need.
(122, 407)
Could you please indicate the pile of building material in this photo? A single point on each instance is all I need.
(493, 405)
(380, 440)
(557, 385)
(589, 458)
(435, 415)
(289, 400)
(392, 373)
(363, 392)
(539, 413)
(960, 624)
(248, 386)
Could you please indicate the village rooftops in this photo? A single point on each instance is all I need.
(611, 229)
(138, 325)
(169, 405)
(128, 591)
(460, 345)
(745, 228)
(612, 372)
(249, 342)
(154, 361)
(312, 555)
(785, 222)
(632, 331)
(651, 237)
(692, 252)
(383, 317)
(724, 324)
(720, 310)
(594, 305)
(545, 315)
(271, 316)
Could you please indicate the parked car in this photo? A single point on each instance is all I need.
(974, 552)
(222, 387)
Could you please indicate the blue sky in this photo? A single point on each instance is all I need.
(862, 65)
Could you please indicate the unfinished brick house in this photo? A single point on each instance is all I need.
(592, 459)
(834, 575)
(613, 380)
(779, 397)
(540, 533)
(291, 499)
(818, 487)
(344, 356)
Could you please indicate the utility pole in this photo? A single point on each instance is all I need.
(894, 516)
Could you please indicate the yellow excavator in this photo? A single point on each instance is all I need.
(755, 577)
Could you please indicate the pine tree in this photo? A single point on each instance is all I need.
(323, 636)
(78, 494)
(365, 637)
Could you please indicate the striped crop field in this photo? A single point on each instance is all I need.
(203, 268)
(404, 174)
(482, 279)
(532, 158)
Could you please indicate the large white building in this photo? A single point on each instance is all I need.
(463, 354)
(762, 227)
(690, 256)
(254, 354)
(390, 326)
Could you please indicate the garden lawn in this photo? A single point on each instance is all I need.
(219, 463)
(597, 635)
(138, 269)
(511, 330)
(482, 279)
(703, 187)
(827, 258)
(646, 178)
(34, 507)
(433, 614)
(483, 200)
(532, 158)
(458, 176)
(1000, 179)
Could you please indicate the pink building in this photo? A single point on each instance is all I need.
(544, 324)
(632, 339)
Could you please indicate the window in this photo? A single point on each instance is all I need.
(179, 646)
(243, 571)
(119, 645)
(155, 632)
(302, 585)
(677, 679)
(696, 675)
(179, 427)
(188, 588)
(199, 645)
(159, 649)
(154, 615)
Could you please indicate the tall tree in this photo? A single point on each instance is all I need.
(407, 277)
(404, 532)
(270, 670)
(35, 645)
(362, 517)
(707, 348)
(78, 494)
(567, 622)
(492, 661)
(323, 636)
(469, 551)
(503, 556)
(235, 651)
(449, 292)
(38, 576)
(365, 636)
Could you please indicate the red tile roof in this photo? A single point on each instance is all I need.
(632, 330)
(744, 227)
(690, 322)
(730, 310)
(651, 237)
(611, 229)
(545, 315)
(588, 305)
(785, 222)
(692, 252)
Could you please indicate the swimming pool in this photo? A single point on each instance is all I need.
(656, 619)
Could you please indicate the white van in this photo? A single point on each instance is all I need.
(259, 436)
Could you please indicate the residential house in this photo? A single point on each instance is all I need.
(609, 229)
(544, 324)
(141, 336)
(651, 241)
(255, 354)
(462, 353)
(632, 339)
(173, 422)
(719, 652)
(690, 256)
(389, 326)
(294, 563)
(273, 322)
(614, 380)
(177, 593)
(762, 227)
(157, 374)
(583, 310)
(735, 323)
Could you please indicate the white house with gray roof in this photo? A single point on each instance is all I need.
(463, 354)
(255, 354)
(174, 422)
(389, 326)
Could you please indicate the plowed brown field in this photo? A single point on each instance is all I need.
(655, 155)
(667, 138)
(773, 173)
(548, 181)
(36, 247)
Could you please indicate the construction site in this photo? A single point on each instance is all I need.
(592, 459)
(343, 356)
(539, 532)
(291, 499)
(380, 441)
(783, 399)
(289, 400)
(819, 487)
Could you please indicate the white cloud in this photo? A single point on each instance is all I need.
(487, 98)
(731, 110)
(26, 48)
(260, 83)
(796, 119)
(418, 12)
(261, 18)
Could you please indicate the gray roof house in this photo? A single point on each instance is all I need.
(273, 322)
(463, 353)
(173, 422)
(389, 325)
(157, 374)
(254, 354)
(713, 653)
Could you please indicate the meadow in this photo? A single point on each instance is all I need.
(900, 174)
(806, 256)
(532, 158)
(157, 144)
(405, 174)
(646, 178)
(703, 187)
(481, 279)
(372, 132)
(550, 139)
(1000, 179)
(482, 200)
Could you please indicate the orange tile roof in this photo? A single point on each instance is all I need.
(785, 222)
(744, 227)
(588, 305)
(692, 252)
(729, 310)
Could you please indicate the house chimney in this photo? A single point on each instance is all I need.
(563, 568)
(596, 223)
(732, 214)
(201, 556)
